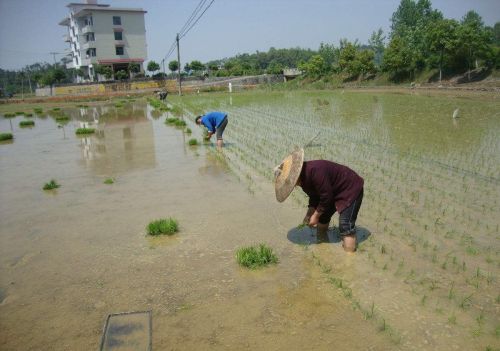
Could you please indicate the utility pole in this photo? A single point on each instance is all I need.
(179, 62)
(164, 74)
(54, 55)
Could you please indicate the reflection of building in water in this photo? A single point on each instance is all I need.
(120, 144)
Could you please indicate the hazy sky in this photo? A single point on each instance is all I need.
(29, 29)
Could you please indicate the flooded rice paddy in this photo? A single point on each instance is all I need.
(426, 275)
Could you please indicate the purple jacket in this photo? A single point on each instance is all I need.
(330, 186)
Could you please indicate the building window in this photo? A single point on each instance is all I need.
(90, 37)
(118, 36)
(119, 50)
(117, 20)
(91, 52)
(74, 46)
(73, 30)
(76, 58)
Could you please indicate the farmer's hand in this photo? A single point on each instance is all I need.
(313, 221)
(308, 215)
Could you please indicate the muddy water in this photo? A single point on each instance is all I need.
(426, 273)
(71, 256)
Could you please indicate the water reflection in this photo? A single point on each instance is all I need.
(123, 140)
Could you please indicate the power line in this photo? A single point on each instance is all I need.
(190, 23)
(193, 15)
(187, 31)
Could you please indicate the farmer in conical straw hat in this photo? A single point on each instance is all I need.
(330, 186)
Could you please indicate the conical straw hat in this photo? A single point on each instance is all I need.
(287, 174)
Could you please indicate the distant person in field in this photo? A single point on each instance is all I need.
(215, 122)
(331, 187)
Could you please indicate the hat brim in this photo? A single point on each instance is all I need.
(284, 183)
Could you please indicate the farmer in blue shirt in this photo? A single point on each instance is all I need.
(215, 122)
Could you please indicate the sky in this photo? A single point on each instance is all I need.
(29, 29)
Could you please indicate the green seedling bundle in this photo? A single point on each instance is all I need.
(256, 256)
(84, 131)
(164, 226)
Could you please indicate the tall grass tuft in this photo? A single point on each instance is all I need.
(256, 256)
(167, 226)
(51, 185)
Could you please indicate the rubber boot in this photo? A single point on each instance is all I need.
(349, 242)
(322, 233)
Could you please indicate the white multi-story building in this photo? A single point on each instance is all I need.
(102, 35)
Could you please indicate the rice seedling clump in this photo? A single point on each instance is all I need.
(9, 115)
(171, 120)
(109, 181)
(51, 185)
(256, 256)
(193, 142)
(166, 226)
(19, 113)
(62, 118)
(6, 136)
(188, 131)
(26, 123)
(180, 123)
(85, 131)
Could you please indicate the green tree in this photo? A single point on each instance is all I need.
(496, 33)
(347, 59)
(59, 75)
(442, 39)
(398, 60)
(104, 70)
(197, 65)
(329, 54)
(153, 66)
(274, 68)
(314, 68)
(134, 67)
(376, 43)
(474, 39)
(121, 75)
(173, 65)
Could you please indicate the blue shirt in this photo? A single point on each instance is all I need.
(213, 119)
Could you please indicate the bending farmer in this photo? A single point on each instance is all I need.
(330, 186)
(215, 122)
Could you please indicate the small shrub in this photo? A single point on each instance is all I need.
(256, 256)
(167, 226)
(193, 142)
(6, 136)
(80, 131)
(26, 123)
(51, 185)
(109, 181)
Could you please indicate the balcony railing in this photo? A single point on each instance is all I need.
(66, 38)
(87, 45)
(87, 29)
(89, 60)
